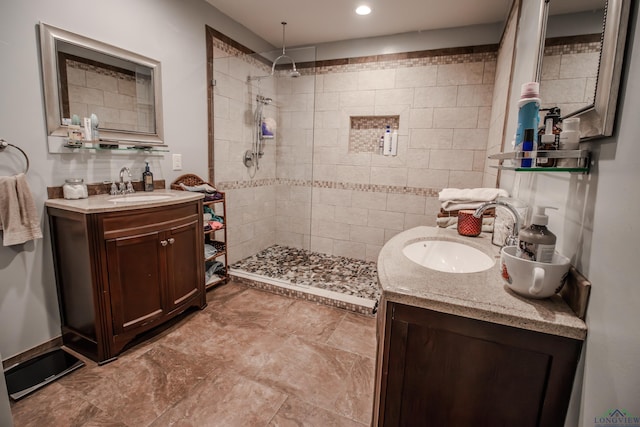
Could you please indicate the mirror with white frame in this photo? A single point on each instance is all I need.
(84, 77)
(580, 69)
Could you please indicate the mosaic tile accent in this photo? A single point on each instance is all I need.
(365, 132)
(370, 188)
(302, 267)
(589, 43)
(572, 49)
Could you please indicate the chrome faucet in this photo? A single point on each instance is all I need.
(511, 240)
(128, 187)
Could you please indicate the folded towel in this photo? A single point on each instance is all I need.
(452, 222)
(18, 216)
(468, 198)
(201, 188)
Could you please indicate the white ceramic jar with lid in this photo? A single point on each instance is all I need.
(74, 188)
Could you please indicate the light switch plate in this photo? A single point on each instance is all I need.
(177, 162)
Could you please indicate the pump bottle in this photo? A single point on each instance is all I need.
(536, 242)
(147, 178)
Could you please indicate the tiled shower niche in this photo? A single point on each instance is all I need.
(365, 132)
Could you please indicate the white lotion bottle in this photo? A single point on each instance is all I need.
(394, 143)
(387, 141)
(569, 140)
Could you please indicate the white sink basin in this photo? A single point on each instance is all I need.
(448, 256)
(134, 198)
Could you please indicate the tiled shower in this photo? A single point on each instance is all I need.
(321, 187)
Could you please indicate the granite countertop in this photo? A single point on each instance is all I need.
(482, 295)
(104, 203)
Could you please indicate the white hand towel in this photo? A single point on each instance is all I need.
(468, 198)
(18, 216)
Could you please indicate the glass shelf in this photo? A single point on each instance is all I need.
(115, 146)
(582, 157)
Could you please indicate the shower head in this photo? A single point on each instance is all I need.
(294, 72)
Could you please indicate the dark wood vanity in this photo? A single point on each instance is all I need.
(123, 272)
(461, 349)
(438, 369)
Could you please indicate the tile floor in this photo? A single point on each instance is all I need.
(250, 358)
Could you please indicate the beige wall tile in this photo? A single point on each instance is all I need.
(394, 97)
(428, 178)
(460, 74)
(368, 235)
(351, 215)
(455, 118)
(451, 159)
(369, 200)
(406, 203)
(470, 139)
(349, 249)
(431, 138)
(363, 98)
(376, 79)
(386, 220)
(421, 118)
(416, 76)
(435, 96)
(388, 176)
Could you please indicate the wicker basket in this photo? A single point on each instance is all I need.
(188, 179)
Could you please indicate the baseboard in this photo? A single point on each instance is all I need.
(32, 352)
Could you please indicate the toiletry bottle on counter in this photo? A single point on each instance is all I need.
(528, 110)
(147, 178)
(536, 242)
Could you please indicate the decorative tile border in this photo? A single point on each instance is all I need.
(571, 45)
(445, 56)
(368, 188)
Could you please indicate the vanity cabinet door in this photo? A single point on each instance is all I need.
(444, 370)
(134, 265)
(183, 280)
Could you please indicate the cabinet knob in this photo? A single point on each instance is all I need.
(163, 242)
(171, 240)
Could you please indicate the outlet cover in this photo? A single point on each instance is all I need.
(177, 162)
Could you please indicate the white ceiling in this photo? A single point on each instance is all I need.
(314, 22)
(321, 21)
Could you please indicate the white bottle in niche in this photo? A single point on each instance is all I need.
(394, 143)
(387, 141)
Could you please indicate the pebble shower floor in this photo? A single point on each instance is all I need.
(306, 269)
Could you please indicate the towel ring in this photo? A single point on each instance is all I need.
(4, 144)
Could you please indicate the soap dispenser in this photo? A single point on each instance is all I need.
(147, 178)
(536, 242)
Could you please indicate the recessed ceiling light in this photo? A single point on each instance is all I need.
(363, 10)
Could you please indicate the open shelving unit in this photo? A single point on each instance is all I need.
(214, 237)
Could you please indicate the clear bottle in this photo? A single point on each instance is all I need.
(74, 188)
(536, 242)
(147, 178)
